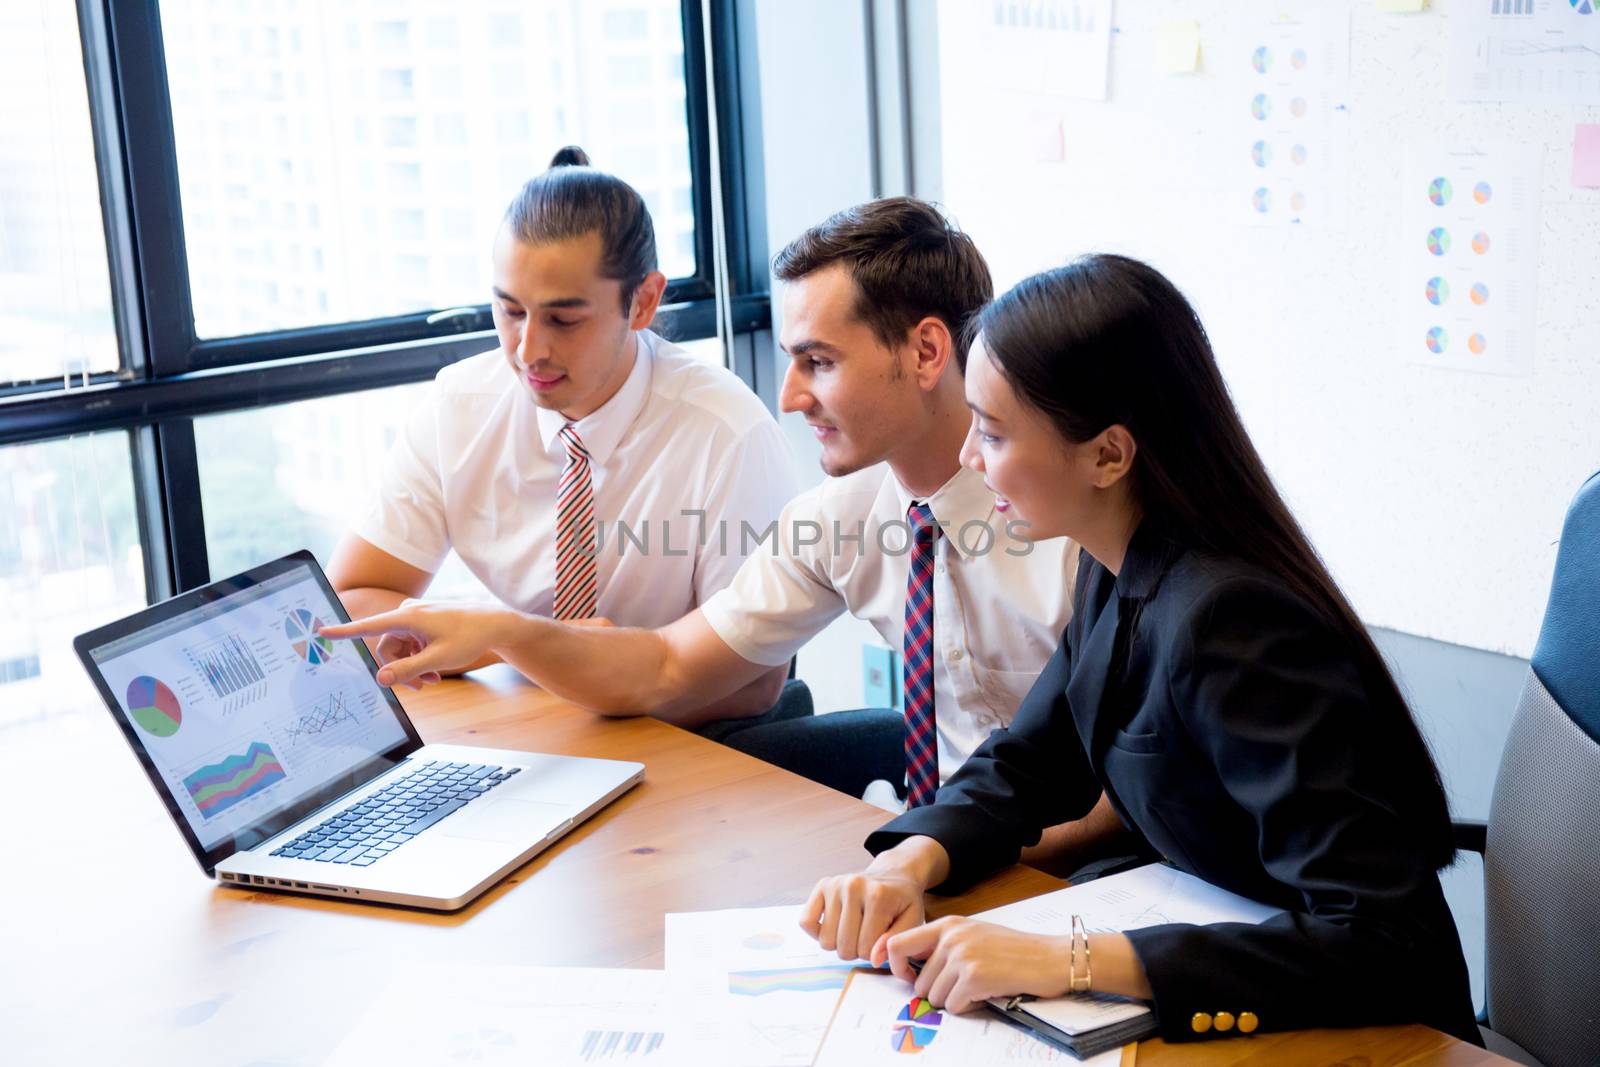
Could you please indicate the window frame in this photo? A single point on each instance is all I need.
(150, 147)
(169, 376)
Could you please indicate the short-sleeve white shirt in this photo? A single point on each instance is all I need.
(1000, 604)
(682, 447)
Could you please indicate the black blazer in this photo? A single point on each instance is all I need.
(1227, 722)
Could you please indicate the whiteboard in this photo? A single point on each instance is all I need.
(1435, 495)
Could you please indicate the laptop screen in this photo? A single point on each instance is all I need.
(246, 718)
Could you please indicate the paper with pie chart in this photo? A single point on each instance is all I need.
(1468, 245)
(880, 1020)
(1291, 71)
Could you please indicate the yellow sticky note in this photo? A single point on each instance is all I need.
(1405, 7)
(1178, 47)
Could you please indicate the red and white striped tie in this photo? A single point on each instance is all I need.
(577, 582)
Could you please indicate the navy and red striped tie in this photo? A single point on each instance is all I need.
(577, 579)
(922, 747)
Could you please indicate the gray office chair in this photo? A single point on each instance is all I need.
(1541, 845)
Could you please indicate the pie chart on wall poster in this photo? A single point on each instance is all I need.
(153, 706)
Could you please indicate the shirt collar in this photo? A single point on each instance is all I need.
(601, 430)
(962, 499)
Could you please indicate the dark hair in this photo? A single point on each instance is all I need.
(907, 261)
(572, 199)
(1108, 340)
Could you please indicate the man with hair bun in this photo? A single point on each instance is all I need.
(526, 460)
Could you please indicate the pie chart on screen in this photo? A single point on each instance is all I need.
(300, 626)
(154, 707)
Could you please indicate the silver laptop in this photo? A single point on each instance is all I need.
(286, 766)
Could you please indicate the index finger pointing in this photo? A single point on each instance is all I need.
(389, 622)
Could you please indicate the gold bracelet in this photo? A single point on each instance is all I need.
(1072, 960)
(1079, 931)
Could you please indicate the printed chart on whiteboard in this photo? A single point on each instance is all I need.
(1471, 242)
(1292, 73)
(1040, 48)
(1527, 51)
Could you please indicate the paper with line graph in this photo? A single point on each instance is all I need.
(750, 987)
(552, 1016)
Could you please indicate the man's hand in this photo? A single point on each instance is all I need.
(421, 639)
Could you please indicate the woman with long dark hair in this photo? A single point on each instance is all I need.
(1213, 680)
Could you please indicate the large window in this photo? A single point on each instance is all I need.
(278, 479)
(228, 230)
(69, 558)
(55, 294)
(340, 162)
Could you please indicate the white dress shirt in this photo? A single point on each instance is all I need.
(999, 603)
(683, 448)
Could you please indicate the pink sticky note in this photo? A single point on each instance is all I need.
(1586, 155)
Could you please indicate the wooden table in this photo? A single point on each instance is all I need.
(114, 947)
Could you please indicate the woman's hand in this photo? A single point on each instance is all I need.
(421, 639)
(855, 914)
(966, 962)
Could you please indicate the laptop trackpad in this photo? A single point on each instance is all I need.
(509, 820)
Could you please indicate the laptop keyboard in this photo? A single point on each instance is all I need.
(365, 833)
